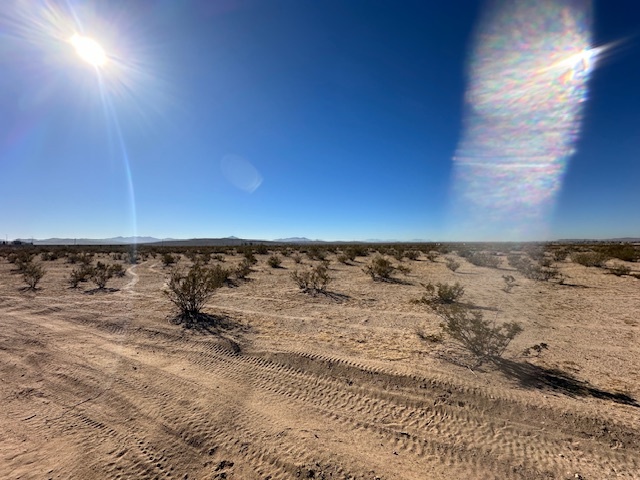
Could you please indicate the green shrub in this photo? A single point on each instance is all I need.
(483, 260)
(313, 280)
(379, 268)
(441, 293)
(32, 273)
(485, 339)
(590, 259)
(243, 269)
(100, 275)
(79, 274)
(190, 291)
(274, 261)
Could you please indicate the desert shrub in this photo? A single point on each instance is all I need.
(432, 255)
(535, 271)
(49, 256)
(190, 291)
(343, 258)
(441, 293)
(297, 258)
(117, 270)
(485, 339)
(412, 254)
(243, 269)
(590, 259)
(32, 273)
(379, 268)
(624, 251)
(250, 257)
(397, 254)
(316, 253)
(483, 260)
(353, 251)
(274, 261)
(79, 274)
(168, 259)
(403, 269)
(561, 254)
(509, 283)
(619, 270)
(261, 249)
(100, 275)
(218, 257)
(452, 264)
(313, 280)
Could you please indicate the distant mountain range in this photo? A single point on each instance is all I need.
(235, 241)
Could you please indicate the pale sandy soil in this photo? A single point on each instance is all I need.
(102, 385)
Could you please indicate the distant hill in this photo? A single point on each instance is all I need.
(297, 240)
(93, 241)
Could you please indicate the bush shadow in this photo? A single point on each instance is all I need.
(536, 377)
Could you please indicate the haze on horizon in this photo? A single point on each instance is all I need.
(335, 120)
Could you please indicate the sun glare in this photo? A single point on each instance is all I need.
(89, 50)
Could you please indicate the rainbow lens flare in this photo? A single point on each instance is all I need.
(527, 85)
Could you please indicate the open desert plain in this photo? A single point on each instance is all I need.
(356, 382)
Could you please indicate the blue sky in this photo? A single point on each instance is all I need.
(336, 120)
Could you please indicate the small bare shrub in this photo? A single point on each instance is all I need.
(313, 280)
(243, 269)
(441, 293)
(452, 264)
(343, 258)
(79, 274)
(168, 259)
(485, 339)
(412, 254)
(432, 256)
(297, 258)
(274, 261)
(379, 268)
(619, 270)
(32, 273)
(100, 275)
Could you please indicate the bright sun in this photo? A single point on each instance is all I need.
(89, 50)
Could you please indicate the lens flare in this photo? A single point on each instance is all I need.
(89, 50)
(526, 90)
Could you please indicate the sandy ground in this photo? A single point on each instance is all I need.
(101, 385)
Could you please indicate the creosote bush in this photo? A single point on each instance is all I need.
(313, 280)
(189, 291)
(79, 274)
(590, 259)
(485, 339)
(483, 260)
(32, 273)
(100, 274)
(619, 270)
(452, 264)
(274, 261)
(379, 268)
(441, 293)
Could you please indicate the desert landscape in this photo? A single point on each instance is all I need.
(355, 380)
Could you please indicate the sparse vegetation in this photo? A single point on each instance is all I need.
(590, 259)
(32, 273)
(274, 261)
(380, 268)
(619, 270)
(190, 291)
(484, 339)
(313, 280)
(441, 293)
(452, 264)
